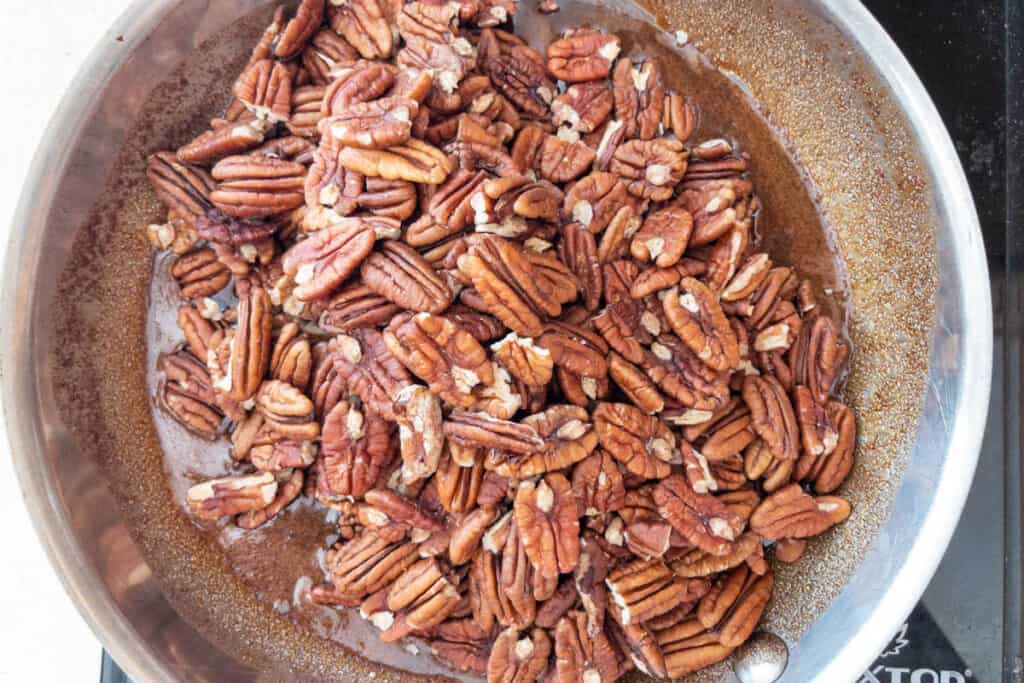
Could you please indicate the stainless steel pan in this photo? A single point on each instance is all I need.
(75, 334)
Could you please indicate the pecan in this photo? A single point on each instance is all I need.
(420, 431)
(791, 513)
(459, 476)
(447, 357)
(650, 168)
(287, 411)
(581, 658)
(292, 358)
(354, 306)
(713, 205)
(597, 484)
(367, 564)
(701, 519)
(583, 55)
(695, 315)
(615, 240)
(461, 644)
(377, 124)
(576, 349)
(364, 24)
(467, 536)
(554, 157)
(397, 272)
(637, 642)
(323, 261)
(695, 562)
(286, 493)
(648, 539)
(578, 250)
(595, 199)
(555, 607)
(635, 384)
(818, 357)
(568, 438)
(548, 525)
(257, 185)
(227, 496)
(355, 448)
(639, 98)
(414, 160)
(831, 467)
(176, 234)
(200, 333)
(265, 88)
(642, 443)
(524, 359)
(369, 369)
(644, 589)
(299, 29)
(232, 138)
(183, 188)
(734, 605)
(583, 106)
(760, 462)
(516, 659)
(452, 207)
(682, 376)
(385, 508)
(772, 415)
(480, 430)
(220, 229)
(361, 82)
(679, 116)
(662, 237)
(188, 394)
(517, 71)
(790, 550)
(688, 647)
(249, 347)
(729, 435)
(747, 278)
(199, 274)
(505, 279)
(422, 597)
(500, 579)
(323, 56)
(432, 44)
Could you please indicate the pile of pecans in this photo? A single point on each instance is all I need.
(498, 315)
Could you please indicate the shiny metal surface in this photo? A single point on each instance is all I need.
(762, 659)
(107, 577)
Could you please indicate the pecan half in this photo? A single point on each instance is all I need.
(548, 525)
(368, 563)
(265, 88)
(323, 261)
(420, 431)
(695, 562)
(792, 513)
(734, 605)
(325, 54)
(595, 199)
(662, 237)
(431, 43)
(698, 319)
(299, 29)
(650, 168)
(369, 369)
(516, 659)
(568, 438)
(597, 484)
(578, 249)
(639, 98)
(441, 353)
(398, 273)
(517, 71)
(583, 55)
(183, 188)
(199, 274)
(354, 306)
(831, 467)
(583, 106)
(635, 384)
(188, 394)
(524, 359)
(364, 24)
(423, 596)
(227, 496)
(257, 185)
(580, 657)
(818, 357)
(250, 346)
(772, 415)
(355, 448)
(642, 443)
(644, 589)
(361, 82)
(688, 647)
(702, 519)
(414, 160)
(286, 493)
(681, 375)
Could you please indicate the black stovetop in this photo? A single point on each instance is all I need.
(967, 625)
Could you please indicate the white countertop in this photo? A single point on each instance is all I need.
(44, 638)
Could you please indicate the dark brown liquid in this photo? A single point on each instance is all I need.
(284, 557)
